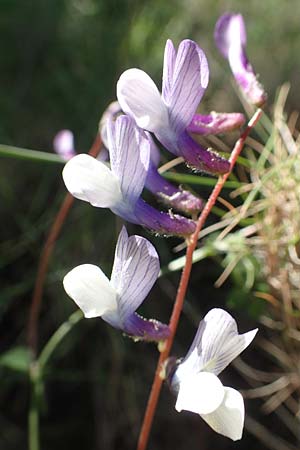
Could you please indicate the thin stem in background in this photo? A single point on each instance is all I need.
(44, 260)
(33, 415)
(158, 380)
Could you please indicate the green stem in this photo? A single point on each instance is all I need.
(57, 337)
(33, 415)
(9, 151)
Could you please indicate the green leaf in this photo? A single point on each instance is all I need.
(17, 358)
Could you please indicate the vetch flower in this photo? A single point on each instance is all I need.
(231, 39)
(215, 123)
(119, 188)
(185, 78)
(63, 144)
(135, 269)
(216, 344)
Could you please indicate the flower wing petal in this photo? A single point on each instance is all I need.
(217, 342)
(91, 180)
(200, 393)
(91, 290)
(139, 98)
(228, 419)
(129, 150)
(189, 81)
(135, 270)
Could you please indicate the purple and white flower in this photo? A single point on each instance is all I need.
(199, 390)
(185, 78)
(231, 39)
(120, 187)
(135, 270)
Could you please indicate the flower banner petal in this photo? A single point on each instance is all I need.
(91, 180)
(216, 343)
(129, 150)
(91, 290)
(136, 268)
(140, 99)
(200, 393)
(228, 419)
(190, 76)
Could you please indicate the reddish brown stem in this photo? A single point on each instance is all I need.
(185, 276)
(45, 257)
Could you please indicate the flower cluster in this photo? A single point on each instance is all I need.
(129, 129)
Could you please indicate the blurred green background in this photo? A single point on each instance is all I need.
(60, 61)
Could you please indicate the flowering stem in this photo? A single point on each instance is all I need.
(44, 260)
(158, 379)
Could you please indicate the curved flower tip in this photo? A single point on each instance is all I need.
(215, 123)
(195, 380)
(135, 270)
(63, 144)
(230, 38)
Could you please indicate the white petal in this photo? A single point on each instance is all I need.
(91, 290)
(91, 180)
(202, 393)
(216, 343)
(139, 98)
(228, 419)
(135, 270)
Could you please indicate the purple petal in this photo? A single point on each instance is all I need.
(154, 151)
(63, 144)
(129, 151)
(161, 222)
(184, 88)
(136, 268)
(215, 123)
(175, 197)
(147, 330)
(199, 158)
